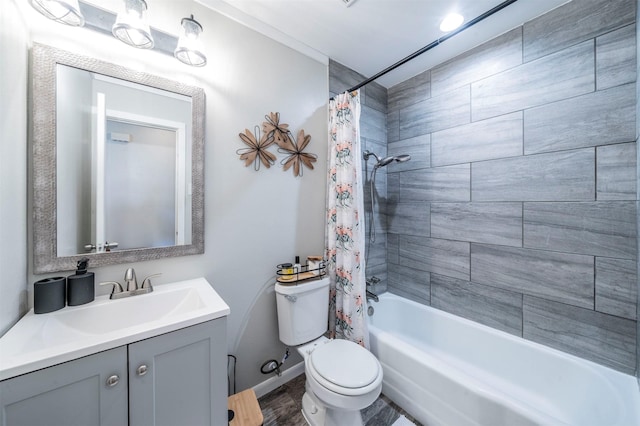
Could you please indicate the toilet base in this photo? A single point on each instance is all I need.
(317, 414)
(313, 412)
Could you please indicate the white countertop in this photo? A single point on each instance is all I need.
(43, 340)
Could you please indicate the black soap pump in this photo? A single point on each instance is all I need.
(80, 287)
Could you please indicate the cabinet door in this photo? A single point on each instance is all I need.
(77, 392)
(180, 378)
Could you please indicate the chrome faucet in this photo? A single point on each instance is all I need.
(130, 280)
(370, 295)
(131, 285)
(372, 281)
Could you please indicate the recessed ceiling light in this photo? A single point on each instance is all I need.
(451, 22)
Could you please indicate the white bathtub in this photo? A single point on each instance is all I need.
(445, 370)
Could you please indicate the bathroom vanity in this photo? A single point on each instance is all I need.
(160, 360)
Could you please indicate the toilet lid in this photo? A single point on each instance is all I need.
(345, 364)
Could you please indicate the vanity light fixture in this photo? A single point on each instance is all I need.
(451, 22)
(189, 48)
(63, 11)
(131, 25)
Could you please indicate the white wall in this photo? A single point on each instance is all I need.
(253, 220)
(13, 165)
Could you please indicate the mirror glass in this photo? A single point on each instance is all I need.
(121, 164)
(124, 152)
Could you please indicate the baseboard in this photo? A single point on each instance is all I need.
(274, 382)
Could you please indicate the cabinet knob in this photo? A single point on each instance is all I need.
(113, 380)
(142, 370)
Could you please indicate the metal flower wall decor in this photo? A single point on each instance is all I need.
(274, 132)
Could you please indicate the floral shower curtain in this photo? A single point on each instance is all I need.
(345, 222)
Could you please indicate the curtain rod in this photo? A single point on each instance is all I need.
(434, 44)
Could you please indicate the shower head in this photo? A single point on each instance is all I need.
(388, 160)
(385, 161)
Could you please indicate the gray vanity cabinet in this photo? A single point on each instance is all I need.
(177, 378)
(74, 393)
(172, 381)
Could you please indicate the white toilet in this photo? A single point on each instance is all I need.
(342, 376)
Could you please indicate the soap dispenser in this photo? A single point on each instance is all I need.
(80, 287)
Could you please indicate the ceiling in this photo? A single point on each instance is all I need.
(370, 35)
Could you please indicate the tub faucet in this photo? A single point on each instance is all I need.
(372, 281)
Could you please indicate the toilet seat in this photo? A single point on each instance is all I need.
(345, 368)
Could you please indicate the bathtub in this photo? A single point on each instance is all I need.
(446, 370)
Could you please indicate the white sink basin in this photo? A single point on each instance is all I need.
(39, 341)
(119, 314)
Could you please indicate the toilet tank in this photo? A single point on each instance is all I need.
(303, 310)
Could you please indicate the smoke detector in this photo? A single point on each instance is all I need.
(348, 2)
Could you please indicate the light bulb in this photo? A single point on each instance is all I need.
(451, 22)
(131, 26)
(63, 11)
(189, 49)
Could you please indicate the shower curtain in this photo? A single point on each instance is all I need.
(345, 222)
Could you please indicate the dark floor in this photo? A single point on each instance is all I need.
(282, 407)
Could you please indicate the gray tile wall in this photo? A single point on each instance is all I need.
(574, 22)
(637, 138)
(519, 208)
